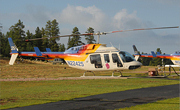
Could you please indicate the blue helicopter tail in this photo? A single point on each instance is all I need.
(14, 51)
(13, 47)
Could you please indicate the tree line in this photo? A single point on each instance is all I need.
(17, 33)
(154, 61)
(19, 36)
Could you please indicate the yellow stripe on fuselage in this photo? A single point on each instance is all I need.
(82, 55)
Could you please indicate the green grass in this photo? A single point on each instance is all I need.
(24, 93)
(168, 104)
(55, 71)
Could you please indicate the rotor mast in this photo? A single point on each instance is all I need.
(98, 37)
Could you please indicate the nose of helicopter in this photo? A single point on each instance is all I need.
(134, 65)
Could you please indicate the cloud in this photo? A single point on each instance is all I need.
(123, 20)
(92, 16)
(85, 16)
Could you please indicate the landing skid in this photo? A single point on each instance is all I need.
(117, 71)
(87, 71)
(174, 71)
(121, 75)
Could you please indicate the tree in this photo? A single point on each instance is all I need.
(76, 39)
(38, 34)
(145, 61)
(4, 46)
(45, 42)
(29, 45)
(18, 35)
(156, 61)
(51, 30)
(90, 38)
(62, 47)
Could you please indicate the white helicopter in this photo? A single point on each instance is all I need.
(89, 57)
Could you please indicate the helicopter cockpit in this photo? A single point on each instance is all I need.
(126, 57)
(112, 60)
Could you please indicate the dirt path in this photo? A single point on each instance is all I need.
(64, 78)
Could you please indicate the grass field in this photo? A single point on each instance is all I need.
(24, 93)
(47, 70)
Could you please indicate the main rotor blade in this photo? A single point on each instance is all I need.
(140, 29)
(60, 36)
(101, 33)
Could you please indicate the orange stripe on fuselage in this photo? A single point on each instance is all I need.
(81, 55)
(175, 57)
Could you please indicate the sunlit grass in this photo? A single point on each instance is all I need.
(55, 71)
(24, 93)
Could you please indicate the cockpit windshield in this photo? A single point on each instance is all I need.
(176, 53)
(126, 57)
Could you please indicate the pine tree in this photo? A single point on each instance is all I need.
(90, 38)
(38, 34)
(4, 46)
(62, 47)
(145, 61)
(29, 45)
(18, 35)
(51, 30)
(45, 42)
(76, 39)
(156, 61)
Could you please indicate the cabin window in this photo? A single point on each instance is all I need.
(96, 60)
(116, 60)
(93, 47)
(106, 58)
(126, 57)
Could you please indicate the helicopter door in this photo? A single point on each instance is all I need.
(96, 60)
(116, 60)
(107, 61)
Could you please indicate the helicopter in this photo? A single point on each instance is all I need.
(174, 57)
(89, 57)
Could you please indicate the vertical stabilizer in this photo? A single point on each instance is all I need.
(13, 47)
(38, 52)
(14, 51)
(136, 53)
(48, 49)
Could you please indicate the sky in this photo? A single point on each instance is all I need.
(103, 16)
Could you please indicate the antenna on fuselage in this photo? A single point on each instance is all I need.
(111, 44)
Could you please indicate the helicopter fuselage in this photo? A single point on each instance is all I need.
(98, 57)
(90, 57)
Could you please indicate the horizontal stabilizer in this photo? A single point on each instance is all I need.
(48, 49)
(38, 52)
(13, 58)
(158, 53)
(153, 54)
